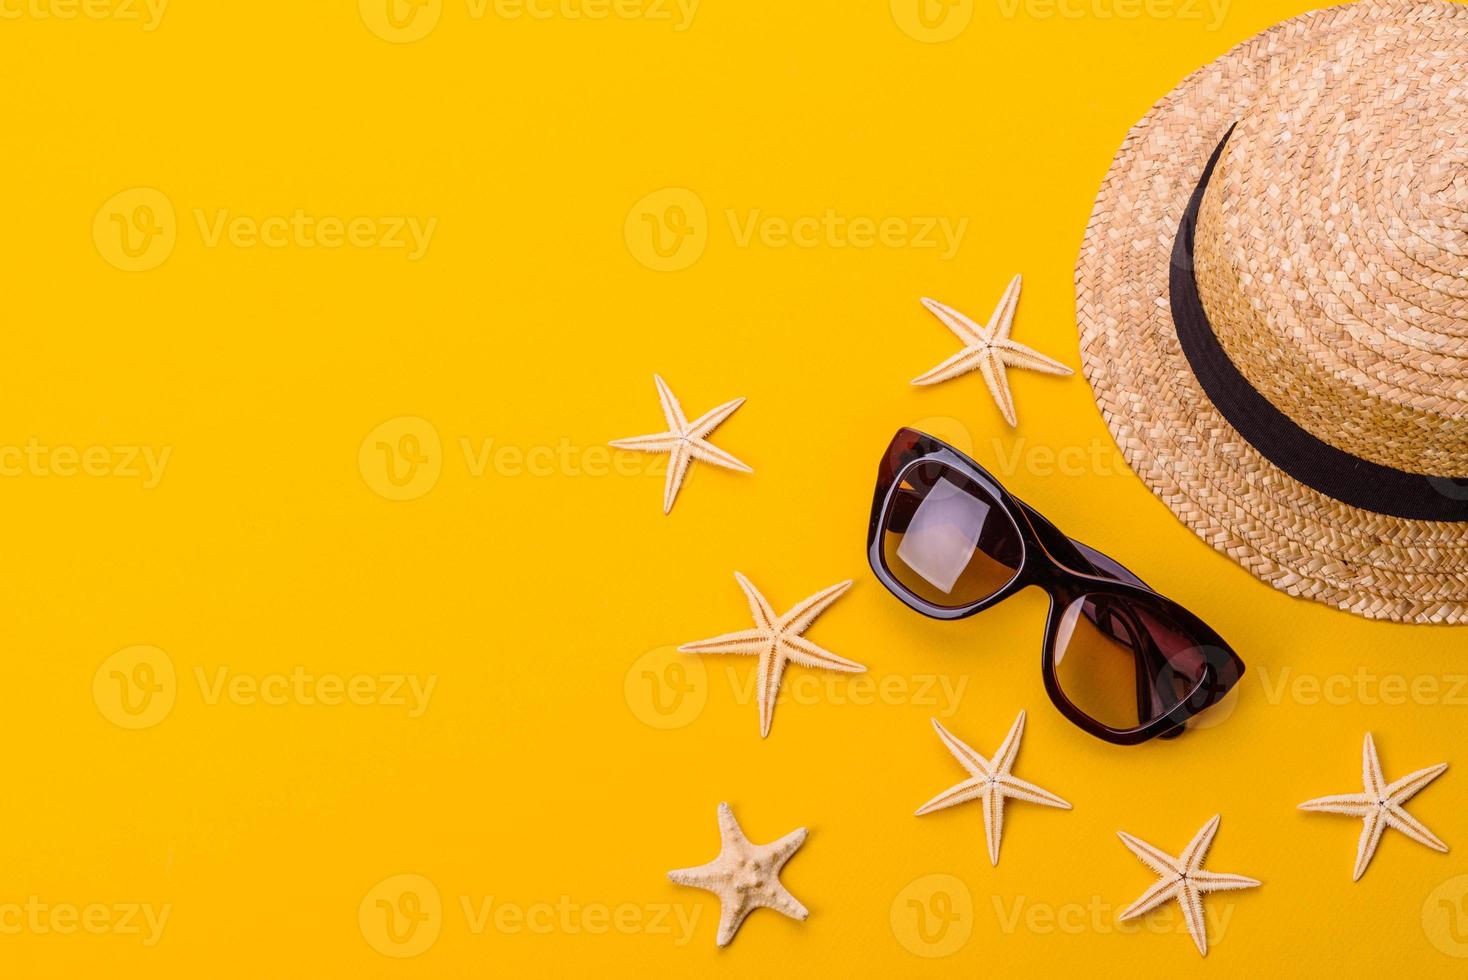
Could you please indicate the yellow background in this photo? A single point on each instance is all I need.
(532, 591)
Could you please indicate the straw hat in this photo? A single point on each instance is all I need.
(1273, 304)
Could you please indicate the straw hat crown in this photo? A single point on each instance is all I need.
(1283, 359)
(1331, 253)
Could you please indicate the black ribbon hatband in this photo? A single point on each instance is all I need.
(1317, 464)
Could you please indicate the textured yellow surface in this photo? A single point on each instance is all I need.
(255, 253)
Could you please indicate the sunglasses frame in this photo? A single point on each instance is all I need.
(1067, 570)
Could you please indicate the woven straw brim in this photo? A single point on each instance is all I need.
(1295, 538)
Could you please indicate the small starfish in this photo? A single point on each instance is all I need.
(1381, 806)
(991, 783)
(989, 349)
(685, 441)
(745, 876)
(1183, 879)
(776, 640)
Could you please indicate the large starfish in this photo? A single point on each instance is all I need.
(685, 441)
(990, 782)
(776, 640)
(745, 876)
(989, 349)
(1380, 805)
(1183, 879)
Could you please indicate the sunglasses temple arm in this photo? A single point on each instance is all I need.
(1149, 662)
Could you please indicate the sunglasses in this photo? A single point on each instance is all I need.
(1121, 661)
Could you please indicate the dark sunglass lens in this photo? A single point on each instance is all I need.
(946, 539)
(1125, 661)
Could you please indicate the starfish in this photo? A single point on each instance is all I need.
(989, 349)
(1381, 806)
(991, 783)
(776, 640)
(745, 876)
(1183, 879)
(685, 441)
